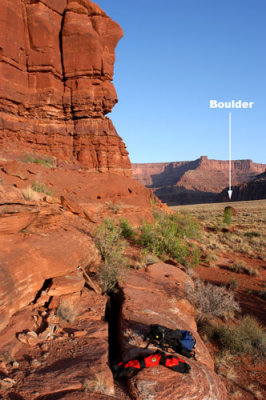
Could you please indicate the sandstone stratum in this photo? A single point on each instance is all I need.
(56, 68)
(198, 181)
(64, 170)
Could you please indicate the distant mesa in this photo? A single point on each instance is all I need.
(198, 181)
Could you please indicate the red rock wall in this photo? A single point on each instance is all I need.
(56, 70)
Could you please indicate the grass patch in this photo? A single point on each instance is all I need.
(241, 268)
(252, 234)
(41, 188)
(46, 162)
(248, 337)
(30, 194)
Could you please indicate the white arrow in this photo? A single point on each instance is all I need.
(230, 191)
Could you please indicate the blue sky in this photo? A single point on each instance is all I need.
(174, 57)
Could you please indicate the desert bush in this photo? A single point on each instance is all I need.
(110, 243)
(227, 216)
(206, 329)
(115, 207)
(46, 162)
(211, 300)
(241, 268)
(126, 230)
(232, 284)
(262, 293)
(168, 236)
(210, 258)
(248, 337)
(195, 256)
(41, 188)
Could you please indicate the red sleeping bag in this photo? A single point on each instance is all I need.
(132, 367)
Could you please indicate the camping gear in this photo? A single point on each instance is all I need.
(132, 367)
(180, 341)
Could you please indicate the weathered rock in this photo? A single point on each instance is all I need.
(27, 261)
(56, 70)
(151, 298)
(66, 284)
(78, 363)
(90, 195)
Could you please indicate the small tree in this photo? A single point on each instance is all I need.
(111, 245)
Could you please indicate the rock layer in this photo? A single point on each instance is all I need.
(56, 70)
(196, 181)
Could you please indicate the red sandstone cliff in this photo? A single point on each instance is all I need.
(56, 69)
(193, 181)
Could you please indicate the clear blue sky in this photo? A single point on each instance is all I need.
(174, 57)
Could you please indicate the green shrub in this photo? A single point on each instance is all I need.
(111, 245)
(227, 216)
(168, 237)
(195, 256)
(126, 230)
(46, 162)
(41, 188)
(211, 300)
(248, 337)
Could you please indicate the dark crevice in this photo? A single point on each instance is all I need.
(46, 285)
(113, 317)
(62, 59)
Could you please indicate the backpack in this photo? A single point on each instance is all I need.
(132, 367)
(180, 341)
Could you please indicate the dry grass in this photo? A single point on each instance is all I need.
(249, 228)
(97, 384)
(67, 310)
(30, 194)
(211, 300)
